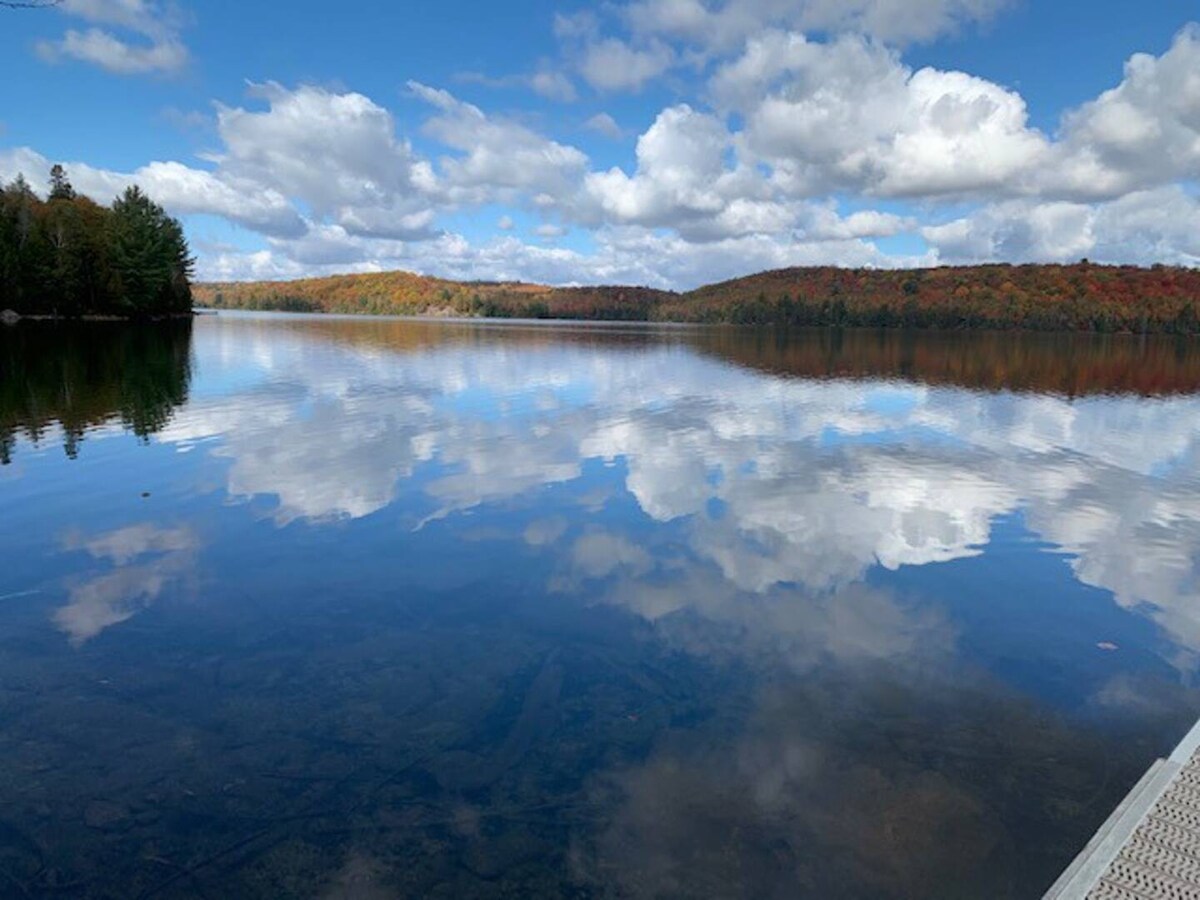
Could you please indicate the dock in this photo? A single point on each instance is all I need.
(1150, 846)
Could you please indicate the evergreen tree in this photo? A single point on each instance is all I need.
(150, 257)
(141, 266)
(179, 290)
(24, 253)
(69, 256)
(60, 186)
(10, 267)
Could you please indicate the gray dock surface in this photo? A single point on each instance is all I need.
(1150, 846)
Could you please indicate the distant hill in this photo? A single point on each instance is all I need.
(1080, 297)
(403, 293)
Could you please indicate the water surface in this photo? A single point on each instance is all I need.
(369, 608)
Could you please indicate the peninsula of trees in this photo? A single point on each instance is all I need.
(1080, 297)
(67, 256)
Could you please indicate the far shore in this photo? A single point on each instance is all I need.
(1084, 297)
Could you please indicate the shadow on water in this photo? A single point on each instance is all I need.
(81, 376)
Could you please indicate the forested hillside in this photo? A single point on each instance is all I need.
(1081, 297)
(68, 256)
(403, 293)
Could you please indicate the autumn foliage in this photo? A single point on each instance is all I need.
(1081, 297)
(403, 293)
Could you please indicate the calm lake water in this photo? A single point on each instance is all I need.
(368, 608)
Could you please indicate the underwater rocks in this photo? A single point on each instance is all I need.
(105, 815)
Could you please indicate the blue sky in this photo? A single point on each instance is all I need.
(669, 142)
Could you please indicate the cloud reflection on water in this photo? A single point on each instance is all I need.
(719, 631)
(145, 560)
(815, 482)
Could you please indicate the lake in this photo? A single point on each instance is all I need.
(373, 608)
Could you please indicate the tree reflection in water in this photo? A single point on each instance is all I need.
(82, 376)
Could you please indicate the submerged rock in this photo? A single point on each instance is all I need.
(103, 814)
(464, 771)
(361, 878)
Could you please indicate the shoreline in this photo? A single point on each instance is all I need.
(444, 315)
(1082, 297)
(10, 317)
(450, 317)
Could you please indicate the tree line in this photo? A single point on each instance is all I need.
(68, 256)
(1081, 297)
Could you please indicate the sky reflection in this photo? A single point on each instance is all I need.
(538, 609)
(781, 481)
